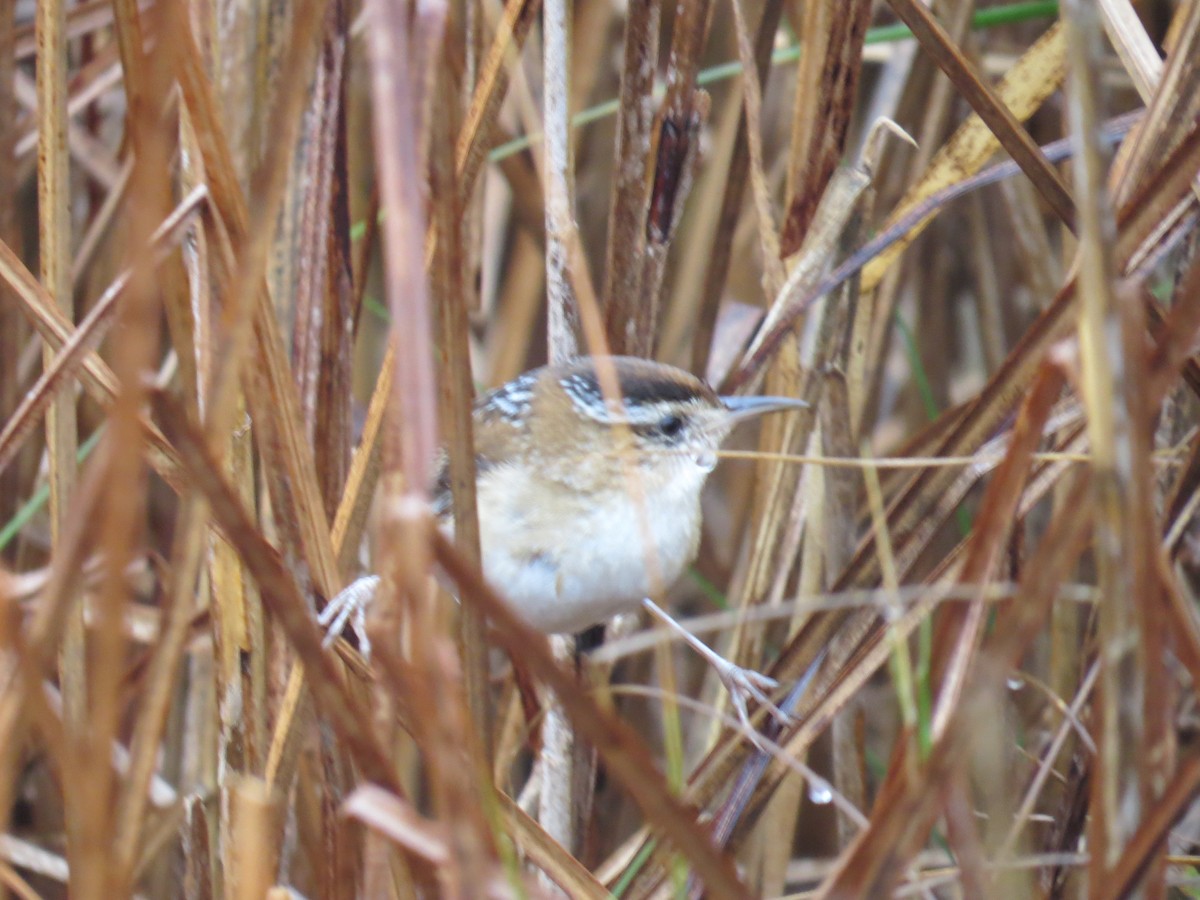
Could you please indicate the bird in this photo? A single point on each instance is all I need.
(589, 501)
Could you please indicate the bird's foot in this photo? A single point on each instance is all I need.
(746, 684)
(349, 607)
(742, 684)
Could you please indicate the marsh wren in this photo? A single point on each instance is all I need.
(589, 504)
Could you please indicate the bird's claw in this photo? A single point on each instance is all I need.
(741, 683)
(349, 607)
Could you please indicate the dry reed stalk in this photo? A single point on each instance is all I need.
(453, 299)
(1112, 381)
(558, 799)
(322, 334)
(721, 250)
(54, 254)
(826, 84)
(558, 183)
(11, 331)
(622, 293)
(225, 750)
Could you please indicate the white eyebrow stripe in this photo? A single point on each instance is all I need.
(589, 401)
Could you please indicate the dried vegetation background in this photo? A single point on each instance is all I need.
(255, 259)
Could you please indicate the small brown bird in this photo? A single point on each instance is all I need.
(590, 504)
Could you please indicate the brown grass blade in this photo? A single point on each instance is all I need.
(548, 855)
(11, 328)
(1113, 393)
(396, 820)
(65, 363)
(826, 85)
(122, 505)
(489, 92)
(768, 237)
(1034, 78)
(1173, 106)
(1139, 853)
(402, 60)
(98, 378)
(54, 256)
(676, 163)
(453, 300)
(562, 301)
(253, 858)
(165, 663)
(319, 279)
(720, 251)
(622, 294)
(994, 112)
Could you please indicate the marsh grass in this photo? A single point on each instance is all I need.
(255, 260)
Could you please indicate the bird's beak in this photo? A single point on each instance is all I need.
(748, 407)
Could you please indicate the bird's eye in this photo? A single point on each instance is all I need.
(670, 426)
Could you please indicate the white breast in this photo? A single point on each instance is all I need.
(605, 562)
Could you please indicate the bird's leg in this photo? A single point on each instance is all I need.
(349, 606)
(740, 682)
